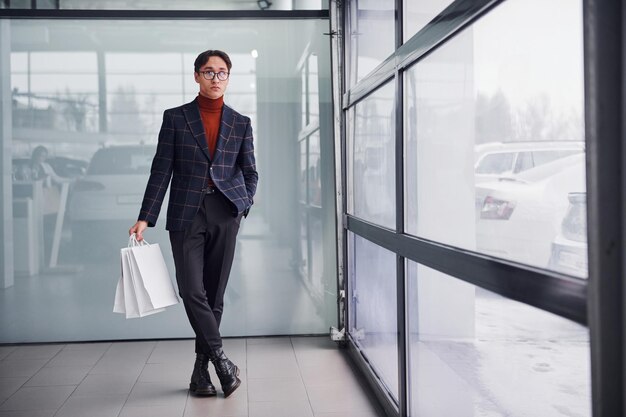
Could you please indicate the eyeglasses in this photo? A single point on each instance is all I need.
(209, 75)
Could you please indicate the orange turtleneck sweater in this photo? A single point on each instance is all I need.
(211, 114)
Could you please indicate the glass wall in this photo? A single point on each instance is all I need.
(373, 308)
(418, 13)
(90, 96)
(493, 193)
(372, 38)
(516, 361)
(506, 135)
(371, 158)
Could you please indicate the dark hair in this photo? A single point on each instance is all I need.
(37, 152)
(204, 57)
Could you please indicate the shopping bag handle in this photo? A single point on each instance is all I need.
(132, 241)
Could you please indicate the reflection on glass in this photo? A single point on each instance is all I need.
(313, 91)
(310, 91)
(315, 170)
(98, 111)
(49, 95)
(303, 97)
(373, 306)
(417, 14)
(371, 158)
(505, 359)
(495, 145)
(372, 36)
(312, 249)
(303, 173)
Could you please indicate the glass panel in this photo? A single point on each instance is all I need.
(373, 306)
(46, 4)
(313, 91)
(20, 4)
(503, 131)
(318, 283)
(497, 356)
(303, 261)
(372, 36)
(303, 171)
(371, 158)
(417, 14)
(303, 98)
(93, 94)
(315, 174)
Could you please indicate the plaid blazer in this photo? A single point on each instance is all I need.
(182, 155)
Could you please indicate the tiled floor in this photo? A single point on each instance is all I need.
(282, 377)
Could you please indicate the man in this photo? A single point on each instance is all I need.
(206, 149)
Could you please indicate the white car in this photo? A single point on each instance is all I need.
(106, 201)
(569, 249)
(495, 159)
(519, 216)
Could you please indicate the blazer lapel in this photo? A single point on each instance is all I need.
(194, 121)
(226, 127)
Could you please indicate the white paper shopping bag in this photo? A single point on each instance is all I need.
(140, 295)
(130, 298)
(149, 268)
(118, 304)
(145, 290)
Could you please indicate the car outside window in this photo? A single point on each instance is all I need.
(495, 163)
(121, 161)
(543, 157)
(524, 162)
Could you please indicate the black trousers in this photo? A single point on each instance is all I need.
(203, 256)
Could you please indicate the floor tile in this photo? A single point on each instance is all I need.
(276, 389)
(15, 368)
(273, 368)
(63, 375)
(34, 352)
(93, 347)
(106, 384)
(38, 398)
(330, 369)
(101, 406)
(268, 341)
(8, 386)
(163, 372)
(157, 393)
(76, 357)
(359, 413)
(172, 351)
(127, 349)
(281, 377)
(339, 398)
(153, 411)
(234, 406)
(6, 350)
(28, 413)
(119, 366)
(280, 409)
(272, 361)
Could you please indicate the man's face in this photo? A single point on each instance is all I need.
(214, 88)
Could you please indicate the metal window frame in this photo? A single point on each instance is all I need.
(597, 302)
(605, 132)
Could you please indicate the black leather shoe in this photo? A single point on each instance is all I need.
(200, 380)
(226, 371)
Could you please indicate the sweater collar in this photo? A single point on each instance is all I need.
(210, 104)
